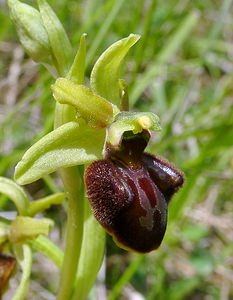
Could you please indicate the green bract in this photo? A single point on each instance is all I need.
(59, 42)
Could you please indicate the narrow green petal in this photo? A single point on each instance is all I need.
(97, 111)
(77, 70)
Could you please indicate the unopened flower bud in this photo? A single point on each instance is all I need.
(31, 31)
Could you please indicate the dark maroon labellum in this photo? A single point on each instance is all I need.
(129, 193)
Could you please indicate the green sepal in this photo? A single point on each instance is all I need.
(131, 121)
(59, 41)
(69, 145)
(104, 77)
(31, 31)
(97, 111)
(15, 193)
(23, 228)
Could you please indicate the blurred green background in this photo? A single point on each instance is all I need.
(182, 70)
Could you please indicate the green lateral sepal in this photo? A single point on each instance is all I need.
(69, 145)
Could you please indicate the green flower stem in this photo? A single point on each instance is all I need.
(24, 257)
(74, 191)
(44, 203)
(92, 254)
(74, 187)
(45, 246)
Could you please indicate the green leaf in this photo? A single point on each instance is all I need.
(59, 41)
(69, 145)
(104, 28)
(203, 262)
(94, 109)
(16, 194)
(130, 121)
(105, 74)
(24, 258)
(23, 228)
(31, 31)
(182, 288)
(126, 277)
(193, 233)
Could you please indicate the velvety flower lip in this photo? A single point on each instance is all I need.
(129, 192)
